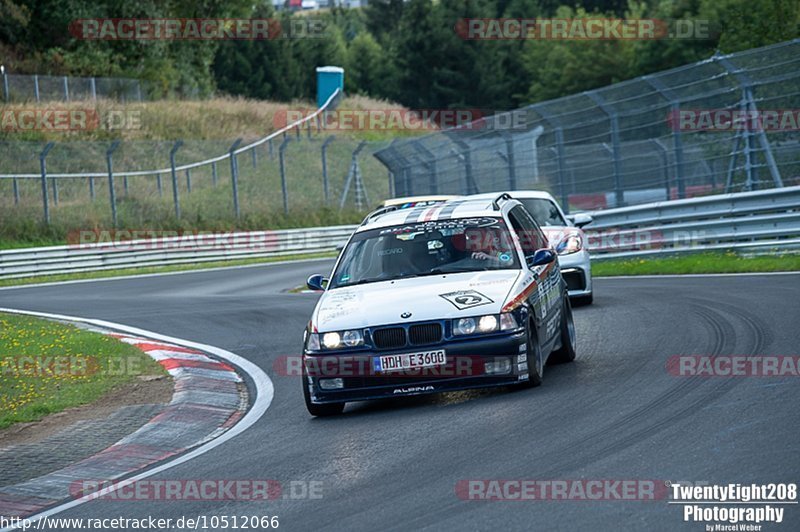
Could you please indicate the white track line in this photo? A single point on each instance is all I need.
(164, 274)
(264, 394)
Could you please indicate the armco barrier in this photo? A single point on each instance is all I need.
(765, 218)
(169, 251)
(768, 218)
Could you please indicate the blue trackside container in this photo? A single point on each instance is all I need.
(329, 78)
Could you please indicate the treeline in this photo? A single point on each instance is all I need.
(405, 51)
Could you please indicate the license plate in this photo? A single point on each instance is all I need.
(424, 359)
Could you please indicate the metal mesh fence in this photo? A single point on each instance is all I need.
(726, 124)
(36, 88)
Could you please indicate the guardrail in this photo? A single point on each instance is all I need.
(765, 218)
(187, 249)
(769, 218)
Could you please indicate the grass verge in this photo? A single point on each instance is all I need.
(721, 262)
(47, 367)
(159, 269)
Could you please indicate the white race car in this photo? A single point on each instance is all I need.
(459, 294)
(566, 236)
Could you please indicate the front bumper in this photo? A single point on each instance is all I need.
(465, 368)
(577, 272)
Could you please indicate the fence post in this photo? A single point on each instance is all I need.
(750, 109)
(43, 167)
(512, 166)
(158, 184)
(36, 87)
(255, 156)
(662, 151)
(269, 143)
(214, 173)
(616, 162)
(325, 188)
(188, 181)
(677, 139)
(16, 191)
(54, 182)
(125, 185)
(66, 89)
(235, 176)
(91, 189)
(354, 173)
(466, 155)
(5, 88)
(282, 159)
(175, 197)
(111, 191)
(139, 90)
(430, 165)
(93, 86)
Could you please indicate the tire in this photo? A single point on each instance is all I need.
(535, 365)
(323, 410)
(580, 301)
(566, 353)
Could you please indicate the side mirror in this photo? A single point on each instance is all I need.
(340, 247)
(541, 257)
(317, 282)
(581, 219)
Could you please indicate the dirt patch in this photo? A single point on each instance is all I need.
(147, 389)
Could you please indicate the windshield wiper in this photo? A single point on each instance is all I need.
(455, 270)
(380, 279)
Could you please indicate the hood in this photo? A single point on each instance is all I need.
(430, 297)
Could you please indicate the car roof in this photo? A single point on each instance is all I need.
(416, 199)
(524, 194)
(463, 207)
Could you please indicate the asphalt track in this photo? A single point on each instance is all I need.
(616, 413)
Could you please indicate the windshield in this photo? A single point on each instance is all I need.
(544, 211)
(429, 248)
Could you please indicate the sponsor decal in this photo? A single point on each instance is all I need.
(414, 389)
(466, 299)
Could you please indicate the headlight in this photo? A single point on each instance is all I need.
(338, 340)
(331, 340)
(485, 324)
(464, 326)
(353, 338)
(571, 244)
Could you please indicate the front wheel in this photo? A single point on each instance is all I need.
(566, 353)
(535, 360)
(319, 410)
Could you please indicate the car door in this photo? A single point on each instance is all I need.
(546, 299)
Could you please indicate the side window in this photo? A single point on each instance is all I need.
(530, 236)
